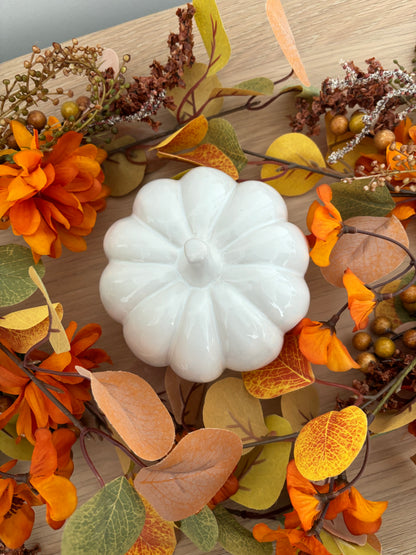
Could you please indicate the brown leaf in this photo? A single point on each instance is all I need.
(191, 474)
(368, 257)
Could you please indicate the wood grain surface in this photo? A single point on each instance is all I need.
(327, 32)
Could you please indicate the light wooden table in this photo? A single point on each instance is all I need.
(326, 31)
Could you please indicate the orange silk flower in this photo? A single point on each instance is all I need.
(361, 516)
(51, 199)
(34, 409)
(326, 225)
(320, 345)
(16, 513)
(50, 469)
(289, 541)
(361, 300)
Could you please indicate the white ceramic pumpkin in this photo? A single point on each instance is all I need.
(205, 274)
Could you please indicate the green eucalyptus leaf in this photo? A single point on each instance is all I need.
(352, 200)
(124, 171)
(257, 85)
(235, 538)
(222, 134)
(108, 524)
(201, 529)
(303, 92)
(15, 283)
(22, 450)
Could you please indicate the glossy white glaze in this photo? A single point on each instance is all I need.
(205, 274)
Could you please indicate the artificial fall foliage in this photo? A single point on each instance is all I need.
(195, 454)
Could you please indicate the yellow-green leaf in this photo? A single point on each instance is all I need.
(124, 171)
(57, 337)
(196, 79)
(297, 148)
(213, 34)
(259, 85)
(263, 480)
(300, 406)
(283, 33)
(328, 444)
(337, 546)
(228, 405)
(24, 328)
(13, 446)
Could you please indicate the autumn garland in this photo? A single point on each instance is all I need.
(51, 188)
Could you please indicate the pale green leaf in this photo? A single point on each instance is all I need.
(222, 134)
(236, 539)
(264, 477)
(124, 171)
(201, 529)
(260, 85)
(22, 450)
(347, 548)
(213, 34)
(302, 91)
(107, 524)
(352, 199)
(15, 283)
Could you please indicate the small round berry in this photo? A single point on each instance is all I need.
(409, 338)
(408, 295)
(11, 142)
(361, 341)
(384, 347)
(381, 325)
(410, 307)
(365, 359)
(383, 138)
(36, 119)
(83, 102)
(69, 109)
(339, 125)
(356, 123)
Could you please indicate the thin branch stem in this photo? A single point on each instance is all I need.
(273, 439)
(394, 387)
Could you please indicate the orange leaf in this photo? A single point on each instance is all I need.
(157, 536)
(369, 258)
(284, 36)
(191, 474)
(134, 410)
(188, 136)
(328, 444)
(205, 155)
(288, 372)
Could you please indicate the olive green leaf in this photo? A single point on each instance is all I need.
(201, 529)
(259, 85)
(352, 199)
(107, 524)
(222, 134)
(235, 538)
(22, 450)
(124, 171)
(15, 283)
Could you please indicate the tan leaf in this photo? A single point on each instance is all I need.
(57, 338)
(288, 372)
(24, 328)
(134, 410)
(328, 444)
(368, 257)
(191, 474)
(228, 405)
(300, 406)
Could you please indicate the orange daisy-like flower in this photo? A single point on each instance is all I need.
(52, 199)
(361, 300)
(34, 409)
(50, 469)
(16, 513)
(320, 345)
(326, 225)
(361, 516)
